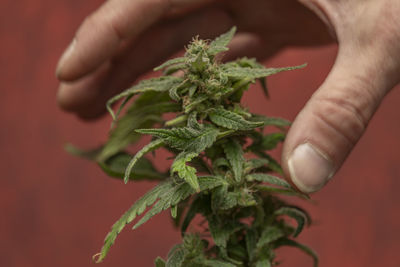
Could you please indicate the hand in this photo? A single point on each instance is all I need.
(124, 39)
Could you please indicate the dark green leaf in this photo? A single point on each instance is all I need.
(296, 214)
(269, 235)
(234, 153)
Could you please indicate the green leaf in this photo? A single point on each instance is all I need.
(178, 193)
(176, 256)
(217, 263)
(231, 120)
(148, 148)
(115, 166)
(89, 154)
(234, 153)
(159, 84)
(221, 231)
(269, 235)
(297, 214)
(220, 43)
(184, 171)
(170, 62)
(185, 138)
(159, 262)
(282, 191)
(251, 242)
(304, 248)
(145, 112)
(270, 141)
(271, 121)
(138, 208)
(254, 73)
(266, 178)
(263, 263)
(254, 164)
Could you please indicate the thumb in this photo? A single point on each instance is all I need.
(334, 119)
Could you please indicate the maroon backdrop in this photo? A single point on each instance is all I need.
(56, 209)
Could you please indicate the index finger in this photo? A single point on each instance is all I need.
(102, 33)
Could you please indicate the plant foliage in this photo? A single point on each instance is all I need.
(221, 170)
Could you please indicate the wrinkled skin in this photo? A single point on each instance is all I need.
(126, 38)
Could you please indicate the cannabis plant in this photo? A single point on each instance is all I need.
(221, 170)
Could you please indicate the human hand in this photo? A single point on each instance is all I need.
(125, 38)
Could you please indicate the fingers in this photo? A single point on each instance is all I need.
(88, 95)
(102, 33)
(334, 119)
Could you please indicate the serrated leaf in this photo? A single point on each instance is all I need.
(159, 262)
(220, 43)
(91, 154)
(175, 68)
(254, 164)
(234, 153)
(147, 148)
(145, 112)
(269, 235)
(304, 248)
(271, 121)
(115, 166)
(254, 73)
(221, 231)
(230, 120)
(270, 141)
(184, 171)
(138, 208)
(298, 215)
(176, 256)
(178, 193)
(185, 138)
(170, 62)
(266, 178)
(159, 84)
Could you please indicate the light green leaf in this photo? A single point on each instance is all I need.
(220, 43)
(184, 138)
(231, 120)
(297, 214)
(304, 248)
(282, 191)
(148, 148)
(184, 171)
(254, 73)
(170, 62)
(234, 153)
(266, 178)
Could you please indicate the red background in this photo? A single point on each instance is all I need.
(56, 209)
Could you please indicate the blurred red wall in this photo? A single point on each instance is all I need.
(56, 209)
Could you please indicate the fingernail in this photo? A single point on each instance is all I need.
(309, 168)
(64, 58)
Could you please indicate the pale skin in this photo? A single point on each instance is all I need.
(124, 39)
